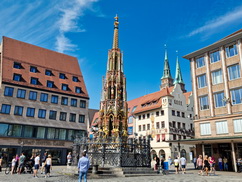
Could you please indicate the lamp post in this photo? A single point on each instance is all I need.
(179, 148)
(21, 146)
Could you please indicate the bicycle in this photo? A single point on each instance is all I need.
(8, 168)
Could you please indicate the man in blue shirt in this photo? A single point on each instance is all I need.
(83, 166)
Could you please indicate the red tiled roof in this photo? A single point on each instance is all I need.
(96, 115)
(31, 55)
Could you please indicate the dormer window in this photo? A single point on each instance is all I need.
(17, 65)
(17, 77)
(50, 84)
(62, 76)
(78, 90)
(34, 81)
(48, 73)
(75, 79)
(64, 87)
(33, 69)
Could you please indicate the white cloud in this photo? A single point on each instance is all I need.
(68, 22)
(215, 24)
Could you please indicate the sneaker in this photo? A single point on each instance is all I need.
(36, 177)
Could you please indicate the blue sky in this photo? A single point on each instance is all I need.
(84, 29)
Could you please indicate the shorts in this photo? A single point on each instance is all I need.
(177, 166)
(21, 165)
(183, 166)
(36, 166)
(200, 167)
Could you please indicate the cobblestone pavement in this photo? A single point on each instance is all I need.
(190, 176)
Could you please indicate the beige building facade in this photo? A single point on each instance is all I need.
(217, 90)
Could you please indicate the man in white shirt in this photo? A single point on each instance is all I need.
(183, 162)
(36, 165)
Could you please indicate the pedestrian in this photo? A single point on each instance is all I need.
(43, 162)
(83, 166)
(206, 165)
(1, 159)
(176, 164)
(21, 163)
(157, 163)
(200, 164)
(169, 161)
(183, 163)
(220, 163)
(225, 161)
(48, 166)
(212, 165)
(195, 162)
(13, 164)
(36, 165)
(17, 163)
(69, 159)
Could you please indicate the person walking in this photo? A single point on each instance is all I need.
(220, 163)
(212, 165)
(225, 161)
(206, 165)
(83, 166)
(48, 166)
(157, 159)
(195, 162)
(183, 163)
(69, 157)
(176, 164)
(43, 162)
(13, 164)
(200, 164)
(36, 165)
(21, 163)
(169, 161)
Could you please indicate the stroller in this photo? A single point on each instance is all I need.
(29, 167)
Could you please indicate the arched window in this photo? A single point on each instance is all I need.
(162, 154)
(183, 153)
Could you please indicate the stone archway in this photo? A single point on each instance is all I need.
(162, 154)
(183, 153)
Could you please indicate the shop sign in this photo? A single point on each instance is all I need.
(41, 142)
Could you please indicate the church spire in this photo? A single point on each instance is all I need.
(178, 78)
(115, 35)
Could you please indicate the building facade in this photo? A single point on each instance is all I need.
(217, 91)
(43, 101)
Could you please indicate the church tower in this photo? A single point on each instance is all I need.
(178, 78)
(166, 79)
(113, 106)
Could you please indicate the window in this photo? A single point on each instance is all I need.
(183, 125)
(63, 116)
(162, 112)
(34, 81)
(3, 129)
(158, 138)
(78, 90)
(139, 127)
(42, 113)
(130, 119)
(54, 99)
(162, 124)
(234, 72)
(81, 118)
(130, 130)
(51, 133)
(217, 77)
(205, 129)
(222, 127)
(139, 117)
(5, 109)
(33, 69)
(18, 110)
(62, 76)
(148, 126)
(173, 124)
(231, 50)
(144, 127)
(236, 95)
(28, 131)
(62, 134)
(30, 112)
(82, 104)
(178, 125)
(178, 113)
(8, 91)
(70, 135)
(237, 125)
(50, 84)
(72, 117)
(157, 125)
(64, 101)
(219, 99)
(202, 81)
(32, 95)
(157, 113)
(214, 57)
(44, 97)
(17, 65)
(52, 115)
(183, 114)
(204, 103)
(75, 79)
(174, 136)
(200, 62)
(173, 112)
(21, 93)
(74, 102)
(143, 116)
(64, 87)
(148, 115)
(17, 77)
(40, 132)
(48, 73)
(134, 108)
(14, 130)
